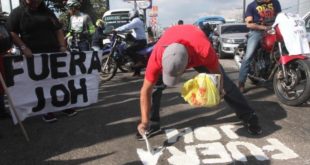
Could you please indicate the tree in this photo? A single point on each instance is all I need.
(94, 8)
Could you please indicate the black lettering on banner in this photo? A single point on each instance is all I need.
(94, 63)
(77, 62)
(31, 67)
(66, 95)
(75, 92)
(10, 71)
(57, 64)
(40, 98)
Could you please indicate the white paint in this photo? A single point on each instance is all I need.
(216, 148)
(254, 150)
(148, 158)
(212, 153)
(148, 145)
(174, 134)
(207, 134)
(285, 154)
(228, 130)
(189, 157)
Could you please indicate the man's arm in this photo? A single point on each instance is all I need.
(145, 105)
(18, 42)
(251, 25)
(61, 40)
(131, 25)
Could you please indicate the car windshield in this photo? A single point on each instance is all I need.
(234, 29)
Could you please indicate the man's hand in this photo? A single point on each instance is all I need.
(26, 51)
(142, 127)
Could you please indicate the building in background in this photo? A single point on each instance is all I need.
(8, 5)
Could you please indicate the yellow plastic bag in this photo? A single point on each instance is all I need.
(202, 90)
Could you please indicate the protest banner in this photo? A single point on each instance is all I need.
(50, 82)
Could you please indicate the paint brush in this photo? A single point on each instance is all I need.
(148, 145)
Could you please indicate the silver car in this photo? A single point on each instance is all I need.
(227, 37)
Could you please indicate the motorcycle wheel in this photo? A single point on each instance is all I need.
(297, 90)
(108, 68)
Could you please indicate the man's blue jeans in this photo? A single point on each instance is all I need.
(253, 40)
(233, 97)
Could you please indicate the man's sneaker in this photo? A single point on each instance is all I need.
(49, 118)
(153, 130)
(252, 125)
(70, 112)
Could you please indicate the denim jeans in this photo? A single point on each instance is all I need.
(253, 40)
(84, 45)
(233, 97)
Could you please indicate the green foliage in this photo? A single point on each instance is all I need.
(94, 8)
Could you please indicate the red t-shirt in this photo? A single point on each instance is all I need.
(198, 46)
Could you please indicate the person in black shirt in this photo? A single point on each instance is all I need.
(36, 29)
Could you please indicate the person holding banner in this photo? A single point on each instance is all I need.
(182, 47)
(36, 29)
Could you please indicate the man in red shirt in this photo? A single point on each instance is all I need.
(182, 47)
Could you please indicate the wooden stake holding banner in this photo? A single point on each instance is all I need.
(13, 108)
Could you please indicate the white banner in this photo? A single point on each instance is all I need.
(51, 82)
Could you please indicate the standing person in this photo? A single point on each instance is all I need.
(180, 22)
(259, 15)
(150, 35)
(80, 24)
(138, 41)
(98, 36)
(36, 29)
(5, 45)
(180, 48)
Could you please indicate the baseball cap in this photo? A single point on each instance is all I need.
(174, 62)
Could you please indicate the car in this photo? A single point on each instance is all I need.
(306, 18)
(227, 37)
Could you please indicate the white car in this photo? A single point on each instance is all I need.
(306, 17)
(228, 37)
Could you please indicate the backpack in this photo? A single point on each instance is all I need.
(5, 37)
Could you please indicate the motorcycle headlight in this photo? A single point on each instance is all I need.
(230, 41)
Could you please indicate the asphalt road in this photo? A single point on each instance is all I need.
(104, 133)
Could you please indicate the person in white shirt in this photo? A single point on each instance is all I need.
(137, 40)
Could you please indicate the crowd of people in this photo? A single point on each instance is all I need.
(181, 47)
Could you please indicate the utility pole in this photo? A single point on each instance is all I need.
(107, 4)
(298, 6)
(243, 12)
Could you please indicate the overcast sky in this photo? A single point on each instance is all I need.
(170, 11)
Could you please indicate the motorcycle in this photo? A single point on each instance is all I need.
(290, 75)
(117, 58)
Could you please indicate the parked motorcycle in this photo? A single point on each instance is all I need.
(290, 75)
(117, 57)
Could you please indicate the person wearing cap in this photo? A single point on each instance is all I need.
(179, 48)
